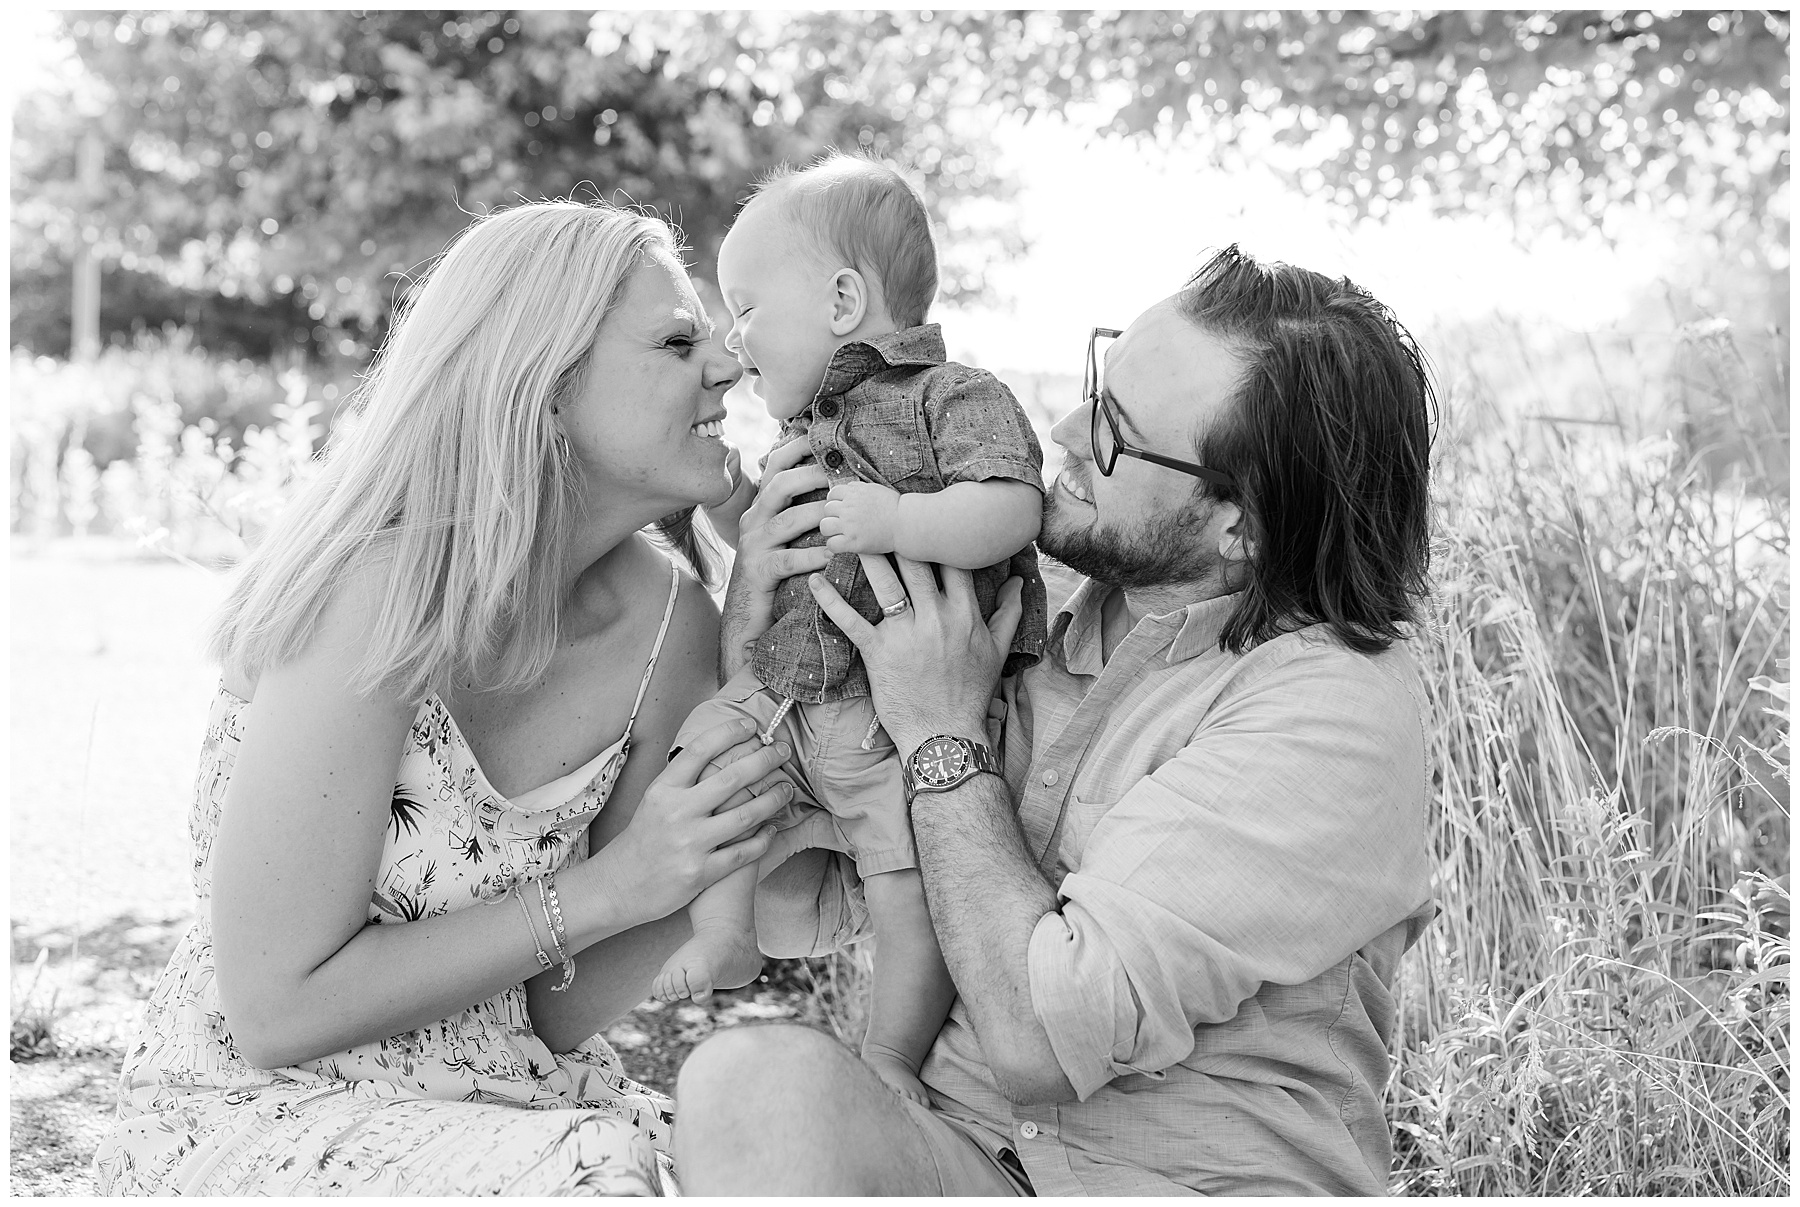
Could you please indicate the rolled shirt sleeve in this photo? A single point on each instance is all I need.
(979, 431)
(1286, 835)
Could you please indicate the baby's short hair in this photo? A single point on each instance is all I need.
(864, 215)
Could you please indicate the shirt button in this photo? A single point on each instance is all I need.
(833, 459)
(1028, 1129)
(828, 409)
(1049, 779)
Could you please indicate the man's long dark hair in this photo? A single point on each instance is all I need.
(1329, 438)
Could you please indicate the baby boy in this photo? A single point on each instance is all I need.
(829, 273)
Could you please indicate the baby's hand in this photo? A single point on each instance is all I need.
(860, 517)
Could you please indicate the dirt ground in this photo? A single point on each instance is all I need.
(109, 699)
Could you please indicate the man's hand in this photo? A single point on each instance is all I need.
(932, 668)
(861, 517)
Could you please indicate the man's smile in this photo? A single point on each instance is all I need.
(1067, 480)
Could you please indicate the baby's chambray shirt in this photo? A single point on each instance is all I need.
(891, 410)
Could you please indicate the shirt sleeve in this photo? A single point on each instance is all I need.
(978, 430)
(1288, 833)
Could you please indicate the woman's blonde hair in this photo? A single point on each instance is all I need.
(453, 476)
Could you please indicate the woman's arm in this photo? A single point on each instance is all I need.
(614, 974)
(301, 973)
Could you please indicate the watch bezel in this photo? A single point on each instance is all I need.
(939, 746)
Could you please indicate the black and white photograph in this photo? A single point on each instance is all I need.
(779, 601)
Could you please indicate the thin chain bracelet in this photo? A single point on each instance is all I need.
(558, 935)
(543, 960)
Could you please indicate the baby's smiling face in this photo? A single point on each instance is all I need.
(781, 299)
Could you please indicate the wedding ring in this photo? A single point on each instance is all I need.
(897, 607)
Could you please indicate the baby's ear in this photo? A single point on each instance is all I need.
(849, 301)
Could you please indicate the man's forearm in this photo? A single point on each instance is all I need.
(986, 898)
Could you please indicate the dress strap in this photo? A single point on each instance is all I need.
(650, 668)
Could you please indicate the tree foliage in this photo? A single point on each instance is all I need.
(289, 168)
(1551, 116)
(300, 165)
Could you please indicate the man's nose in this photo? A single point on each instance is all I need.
(1071, 431)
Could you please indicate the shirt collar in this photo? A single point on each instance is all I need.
(1076, 627)
(861, 359)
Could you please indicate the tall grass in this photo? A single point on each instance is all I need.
(1601, 1005)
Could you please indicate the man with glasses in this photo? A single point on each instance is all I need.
(1174, 866)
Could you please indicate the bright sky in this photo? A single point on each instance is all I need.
(1116, 224)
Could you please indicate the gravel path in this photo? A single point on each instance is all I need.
(109, 699)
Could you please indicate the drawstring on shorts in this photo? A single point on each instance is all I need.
(767, 736)
(868, 742)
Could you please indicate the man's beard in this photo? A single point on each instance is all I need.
(1166, 550)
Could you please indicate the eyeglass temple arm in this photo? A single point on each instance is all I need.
(1216, 477)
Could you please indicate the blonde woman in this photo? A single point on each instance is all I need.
(436, 844)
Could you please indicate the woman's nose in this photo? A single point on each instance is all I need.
(722, 369)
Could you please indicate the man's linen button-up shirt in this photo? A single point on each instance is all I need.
(1239, 848)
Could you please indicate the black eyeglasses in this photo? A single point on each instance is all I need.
(1108, 444)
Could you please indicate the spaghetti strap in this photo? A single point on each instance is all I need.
(650, 667)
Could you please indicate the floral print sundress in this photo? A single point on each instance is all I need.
(475, 1104)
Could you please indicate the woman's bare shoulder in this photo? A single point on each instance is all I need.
(689, 653)
(345, 625)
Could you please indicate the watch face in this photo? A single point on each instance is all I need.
(941, 760)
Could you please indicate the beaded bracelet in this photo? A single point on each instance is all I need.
(559, 936)
(543, 960)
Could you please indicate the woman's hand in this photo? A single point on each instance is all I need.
(771, 522)
(932, 667)
(728, 515)
(763, 558)
(689, 832)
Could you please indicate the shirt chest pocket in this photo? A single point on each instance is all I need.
(891, 446)
(1075, 826)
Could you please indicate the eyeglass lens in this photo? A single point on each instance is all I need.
(1101, 436)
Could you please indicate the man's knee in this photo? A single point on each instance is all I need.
(759, 1065)
(755, 1110)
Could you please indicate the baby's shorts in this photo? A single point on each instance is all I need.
(860, 789)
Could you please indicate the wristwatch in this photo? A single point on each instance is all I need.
(942, 762)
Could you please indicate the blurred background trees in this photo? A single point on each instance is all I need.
(269, 179)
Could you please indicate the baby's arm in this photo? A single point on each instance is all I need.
(966, 524)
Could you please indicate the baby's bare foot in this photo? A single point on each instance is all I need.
(899, 1075)
(715, 958)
